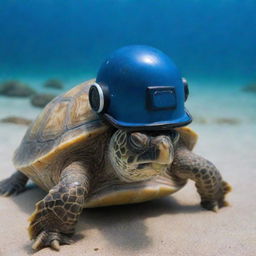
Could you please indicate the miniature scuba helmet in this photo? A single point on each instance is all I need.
(139, 86)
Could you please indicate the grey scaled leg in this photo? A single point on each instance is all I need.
(55, 217)
(209, 183)
(13, 185)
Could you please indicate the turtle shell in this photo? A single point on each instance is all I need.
(65, 122)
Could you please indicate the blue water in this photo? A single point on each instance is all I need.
(211, 40)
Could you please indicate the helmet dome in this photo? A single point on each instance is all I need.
(139, 86)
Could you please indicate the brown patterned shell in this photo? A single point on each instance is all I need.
(65, 121)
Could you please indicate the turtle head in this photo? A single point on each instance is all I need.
(138, 156)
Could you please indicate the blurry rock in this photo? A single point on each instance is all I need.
(15, 89)
(200, 120)
(16, 120)
(41, 100)
(230, 121)
(221, 120)
(54, 84)
(250, 88)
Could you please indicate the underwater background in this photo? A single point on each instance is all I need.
(210, 40)
(49, 46)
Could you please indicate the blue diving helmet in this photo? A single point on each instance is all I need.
(139, 87)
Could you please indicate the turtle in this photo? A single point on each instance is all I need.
(81, 161)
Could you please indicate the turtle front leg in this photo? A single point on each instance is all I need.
(209, 183)
(55, 217)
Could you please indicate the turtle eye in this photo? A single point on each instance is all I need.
(138, 140)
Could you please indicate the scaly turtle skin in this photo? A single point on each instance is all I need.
(83, 162)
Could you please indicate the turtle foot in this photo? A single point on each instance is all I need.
(219, 201)
(51, 239)
(213, 205)
(13, 185)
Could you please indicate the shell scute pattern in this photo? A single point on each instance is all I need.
(64, 122)
(80, 110)
(36, 126)
(55, 124)
(67, 112)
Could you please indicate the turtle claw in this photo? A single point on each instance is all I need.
(214, 205)
(50, 239)
(215, 208)
(55, 244)
(219, 199)
(210, 205)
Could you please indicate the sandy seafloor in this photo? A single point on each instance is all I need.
(175, 225)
